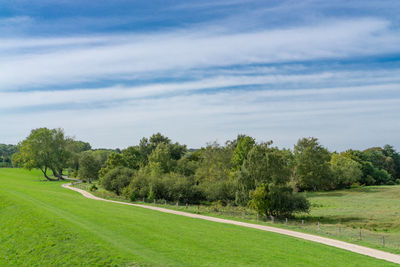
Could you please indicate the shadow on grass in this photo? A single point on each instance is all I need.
(330, 219)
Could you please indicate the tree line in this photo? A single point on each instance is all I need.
(241, 172)
(6, 151)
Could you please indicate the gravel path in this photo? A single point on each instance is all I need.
(323, 240)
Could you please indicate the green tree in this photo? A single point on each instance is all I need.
(134, 159)
(44, 149)
(75, 148)
(117, 179)
(264, 165)
(312, 165)
(213, 174)
(114, 160)
(277, 200)
(243, 147)
(392, 162)
(89, 166)
(161, 159)
(6, 152)
(346, 171)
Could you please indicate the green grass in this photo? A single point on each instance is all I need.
(43, 224)
(375, 208)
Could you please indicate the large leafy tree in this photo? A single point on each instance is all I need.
(213, 174)
(89, 166)
(45, 149)
(277, 200)
(76, 148)
(312, 165)
(242, 149)
(346, 171)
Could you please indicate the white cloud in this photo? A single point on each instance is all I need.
(384, 81)
(199, 118)
(119, 57)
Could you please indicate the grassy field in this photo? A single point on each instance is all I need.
(375, 208)
(44, 224)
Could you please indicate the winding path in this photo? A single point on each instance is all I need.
(323, 240)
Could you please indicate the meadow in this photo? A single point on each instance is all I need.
(45, 224)
(375, 210)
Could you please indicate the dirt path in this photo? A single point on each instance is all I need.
(323, 240)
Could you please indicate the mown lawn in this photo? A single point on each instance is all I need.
(43, 224)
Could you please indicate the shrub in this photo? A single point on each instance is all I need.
(116, 179)
(93, 188)
(277, 200)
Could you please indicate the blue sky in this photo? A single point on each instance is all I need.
(111, 72)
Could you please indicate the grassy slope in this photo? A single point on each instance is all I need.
(373, 207)
(44, 224)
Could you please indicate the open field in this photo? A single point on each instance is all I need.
(44, 224)
(371, 207)
(342, 213)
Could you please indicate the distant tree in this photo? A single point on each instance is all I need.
(75, 148)
(117, 179)
(243, 147)
(264, 165)
(213, 174)
(44, 149)
(376, 156)
(161, 159)
(114, 160)
(345, 170)
(89, 166)
(392, 161)
(371, 173)
(188, 164)
(277, 200)
(134, 159)
(312, 165)
(6, 152)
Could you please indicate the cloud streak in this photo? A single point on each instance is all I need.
(130, 57)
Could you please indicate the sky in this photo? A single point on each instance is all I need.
(112, 72)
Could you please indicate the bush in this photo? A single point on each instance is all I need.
(116, 179)
(277, 200)
(170, 187)
(93, 188)
(130, 194)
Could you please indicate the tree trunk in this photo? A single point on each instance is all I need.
(56, 174)
(60, 174)
(45, 174)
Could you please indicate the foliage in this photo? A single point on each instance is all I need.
(312, 165)
(230, 174)
(277, 200)
(74, 231)
(345, 170)
(116, 179)
(44, 149)
(89, 166)
(243, 147)
(213, 174)
(6, 152)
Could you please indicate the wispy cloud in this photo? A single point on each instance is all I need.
(112, 72)
(131, 56)
(256, 86)
(221, 116)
